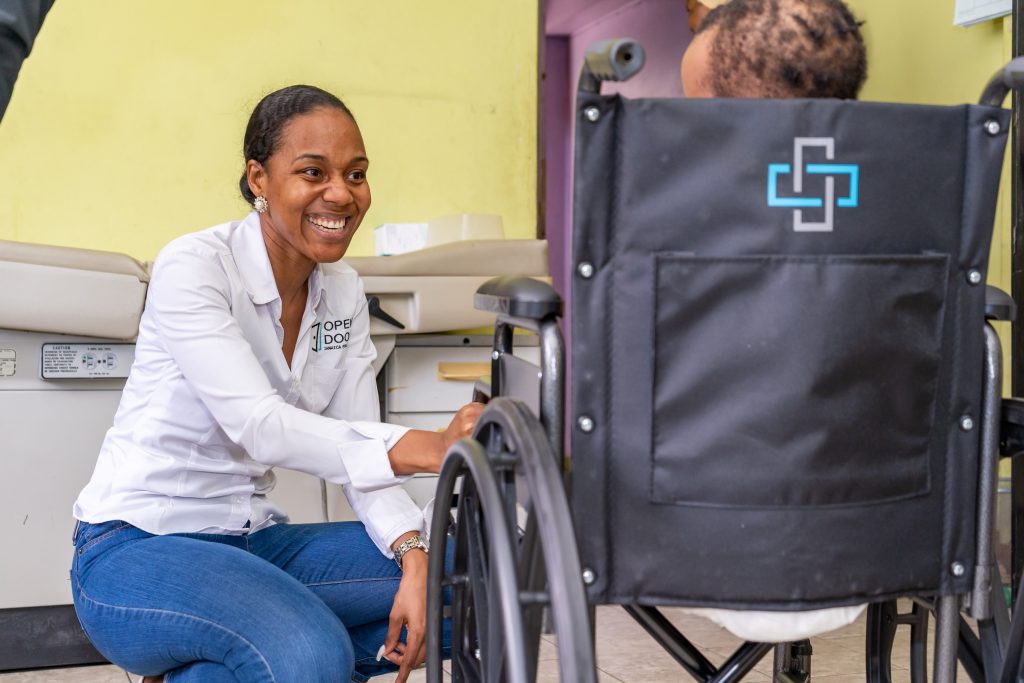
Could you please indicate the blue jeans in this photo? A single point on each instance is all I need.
(306, 603)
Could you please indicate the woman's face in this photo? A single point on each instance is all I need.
(315, 185)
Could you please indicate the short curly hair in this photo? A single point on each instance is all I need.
(785, 48)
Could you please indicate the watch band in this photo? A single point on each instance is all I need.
(416, 542)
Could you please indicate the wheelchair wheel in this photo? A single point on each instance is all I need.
(497, 581)
(979, 653)
(882, 621)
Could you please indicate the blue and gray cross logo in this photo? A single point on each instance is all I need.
(830, 171)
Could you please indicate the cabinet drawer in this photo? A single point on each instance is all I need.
(438, 379)
(415, 385)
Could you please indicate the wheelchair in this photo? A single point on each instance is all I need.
(784, 394)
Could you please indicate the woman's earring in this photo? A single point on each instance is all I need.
(261, 204)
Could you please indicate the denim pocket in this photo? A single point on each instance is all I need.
(91, 534)
(795, 380)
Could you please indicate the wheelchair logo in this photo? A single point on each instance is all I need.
(830, 171)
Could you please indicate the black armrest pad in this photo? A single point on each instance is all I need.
(999, 305)
(518, 297)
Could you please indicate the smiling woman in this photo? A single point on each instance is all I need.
(254, 352)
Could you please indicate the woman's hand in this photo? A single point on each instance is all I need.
(422, 451)
(409, 610)
(461, 425)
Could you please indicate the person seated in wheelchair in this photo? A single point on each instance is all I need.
(775, 49)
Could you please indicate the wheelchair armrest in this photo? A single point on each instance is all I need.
(999, 305)
(518, 297)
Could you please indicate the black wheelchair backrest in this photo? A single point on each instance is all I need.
(777, 339)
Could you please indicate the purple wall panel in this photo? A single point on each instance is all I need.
(660, 26)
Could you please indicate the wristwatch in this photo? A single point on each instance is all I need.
(416, 542)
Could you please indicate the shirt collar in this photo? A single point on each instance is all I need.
(318, 288)
(250, 254)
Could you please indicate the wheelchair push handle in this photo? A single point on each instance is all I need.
(618, 59)
(999, 305)
(1010, 77)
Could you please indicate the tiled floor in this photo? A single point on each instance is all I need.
(625, 654)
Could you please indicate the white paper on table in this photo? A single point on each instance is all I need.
(969, 12)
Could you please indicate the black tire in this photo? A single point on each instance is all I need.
(487, 630)
(516, 448)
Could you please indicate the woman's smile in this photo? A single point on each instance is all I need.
(327, 224)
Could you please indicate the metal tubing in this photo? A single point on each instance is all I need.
(988, 476)
(1010, 77)
(918, 620)
(1017, 292)
(969, 654)
(741, 663)
(531, 324)
(995, 632)
(672, 641)
(947, 618)
(552, 385)
(502, 345)
(780, 658)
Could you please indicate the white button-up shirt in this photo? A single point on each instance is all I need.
(211, 406)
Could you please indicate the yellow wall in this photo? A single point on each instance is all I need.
(916, 54)
(125, 128)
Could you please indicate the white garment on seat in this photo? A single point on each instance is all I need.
(780, 627)
(211, 404)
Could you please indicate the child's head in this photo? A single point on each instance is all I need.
(776, 49)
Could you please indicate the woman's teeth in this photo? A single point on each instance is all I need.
(327, 224)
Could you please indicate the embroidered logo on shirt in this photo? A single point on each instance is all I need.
(331, 334)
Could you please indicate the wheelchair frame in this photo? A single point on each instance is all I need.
(505, 577)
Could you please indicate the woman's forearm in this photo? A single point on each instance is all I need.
(418, 451)
(422, 451)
